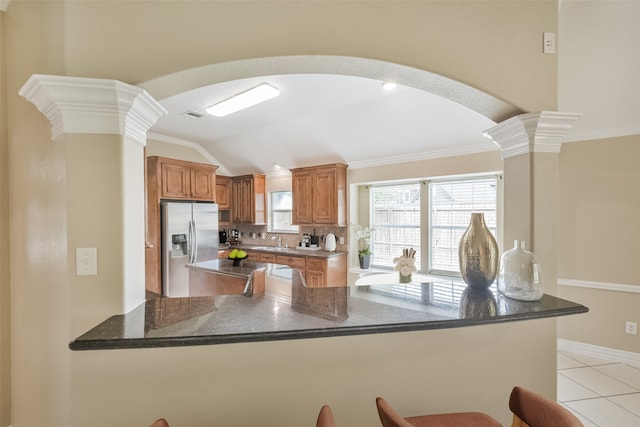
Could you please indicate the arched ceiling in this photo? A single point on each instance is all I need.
(331, 109)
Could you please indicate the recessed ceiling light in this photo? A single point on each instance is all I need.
(243, 100)
(389, 85)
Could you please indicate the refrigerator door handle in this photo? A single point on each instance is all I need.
(195, 242)
(190, 247)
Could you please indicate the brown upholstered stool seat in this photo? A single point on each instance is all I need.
(325, 418)
(160, 423)
(534, 410)
(390, 418)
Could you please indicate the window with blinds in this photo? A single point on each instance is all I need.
(280, 212)
(451, 204)
(395, 217)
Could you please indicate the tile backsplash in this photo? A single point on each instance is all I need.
(258, 235)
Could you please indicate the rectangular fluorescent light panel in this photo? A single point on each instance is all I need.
(243, 100)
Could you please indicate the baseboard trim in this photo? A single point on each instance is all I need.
(618, 287)
(621, 356)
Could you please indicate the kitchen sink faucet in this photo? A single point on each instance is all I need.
(279, 240)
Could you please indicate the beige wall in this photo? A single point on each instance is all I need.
(136, 41)
(174, 151)
(284, 383)
(472, 42)
(38, 218)
(598, 233)
(5, 318)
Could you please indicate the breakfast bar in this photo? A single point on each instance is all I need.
(286, 309)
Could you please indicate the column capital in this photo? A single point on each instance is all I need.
(541, 132)
(89, 105)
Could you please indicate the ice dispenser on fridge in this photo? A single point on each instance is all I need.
(179, 245)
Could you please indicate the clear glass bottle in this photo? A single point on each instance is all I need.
(520, 275)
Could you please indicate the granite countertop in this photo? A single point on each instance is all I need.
(226, 267)
(296, 251)
(289, 310)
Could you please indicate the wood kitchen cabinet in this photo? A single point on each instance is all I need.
(265, 257)
(223, 199)
(318, 272)
(181, 180)
(326, 272)
(223, 192)
(172, 180)
(320, 195)
(248, 199)
(298, 262)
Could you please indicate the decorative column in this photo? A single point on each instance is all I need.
(530, 144)
(103, 125)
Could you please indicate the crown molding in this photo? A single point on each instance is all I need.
(428, 155)
(89, 105)
(603, 134)
(193, 145)
(542, 132)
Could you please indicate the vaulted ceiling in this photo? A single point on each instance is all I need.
(324, 117)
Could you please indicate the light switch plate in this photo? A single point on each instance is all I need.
(86, 261)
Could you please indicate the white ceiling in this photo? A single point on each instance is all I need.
(324, 118)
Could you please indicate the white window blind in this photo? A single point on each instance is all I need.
(451, 204)
(395, 217)
(280, 212)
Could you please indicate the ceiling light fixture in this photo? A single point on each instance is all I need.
(389, 85)
(243, 100)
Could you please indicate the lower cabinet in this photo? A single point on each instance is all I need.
(326, 272)
(298, 262)
(265, 257)
(318, 272)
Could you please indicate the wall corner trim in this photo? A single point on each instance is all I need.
(88, 105)
(541, 132)
(618, 287)
(599, 352)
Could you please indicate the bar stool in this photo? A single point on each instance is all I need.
(534, 410)
(390, 418)
(160, 423)
(325, 417)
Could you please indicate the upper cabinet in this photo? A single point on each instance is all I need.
(223, 198)
(179, 179)
(223, 192)
(319, 195)
(248, 199)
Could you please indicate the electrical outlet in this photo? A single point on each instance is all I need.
(548, 43)
(631, 328)
(341, 240)
(86, 261)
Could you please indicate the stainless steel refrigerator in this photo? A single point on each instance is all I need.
(189, 235)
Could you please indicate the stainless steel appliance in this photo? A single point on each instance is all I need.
(189, 235)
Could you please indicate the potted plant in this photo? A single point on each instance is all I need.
(363, 235)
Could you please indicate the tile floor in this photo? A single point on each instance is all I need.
(601, 393)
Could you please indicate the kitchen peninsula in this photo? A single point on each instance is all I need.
(223, 277)
(289, 310)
